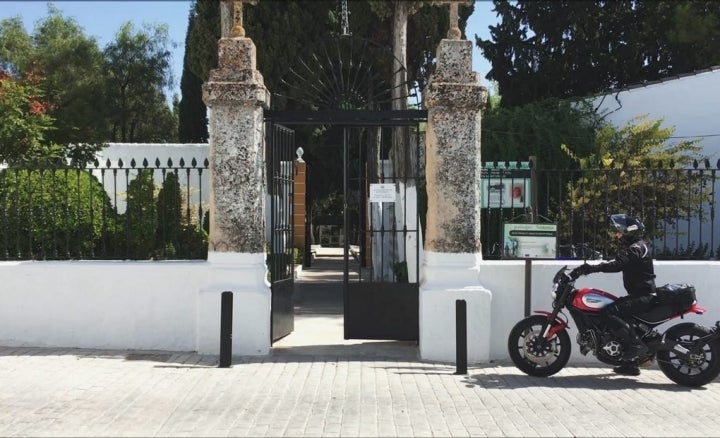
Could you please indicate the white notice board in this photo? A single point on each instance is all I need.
(529, 241)
(382, 192)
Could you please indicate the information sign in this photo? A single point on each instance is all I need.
(382, 193)
(529, 241)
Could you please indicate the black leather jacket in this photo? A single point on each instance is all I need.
(636, 264)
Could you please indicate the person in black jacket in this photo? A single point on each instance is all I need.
(635, 261)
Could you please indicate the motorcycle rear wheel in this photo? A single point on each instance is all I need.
(533, 355)
(697, 370)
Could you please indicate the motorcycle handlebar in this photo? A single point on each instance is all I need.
(574, 274)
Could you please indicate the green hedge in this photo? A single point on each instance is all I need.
(52, 214)
(60, 214)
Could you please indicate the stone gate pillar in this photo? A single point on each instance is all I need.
(454, 99)
(236, 96)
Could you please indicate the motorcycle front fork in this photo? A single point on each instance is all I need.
(553, 323)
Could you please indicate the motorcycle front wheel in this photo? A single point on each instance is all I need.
(699, 368)
(534, 355)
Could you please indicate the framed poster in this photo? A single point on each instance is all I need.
(529, 241)
(505, 185)
(505, 193)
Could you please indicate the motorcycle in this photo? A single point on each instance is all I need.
(687, 353)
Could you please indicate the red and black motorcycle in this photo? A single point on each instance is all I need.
(687, 353)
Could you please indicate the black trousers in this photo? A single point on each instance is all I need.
(616, 314)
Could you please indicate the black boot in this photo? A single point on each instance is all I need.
(633, 348)
(627, 370)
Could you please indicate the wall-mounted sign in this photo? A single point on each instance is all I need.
(382, 193)
(505, 186)
(505, 193)
(529, 241)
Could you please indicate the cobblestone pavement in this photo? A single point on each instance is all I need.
(54, 392)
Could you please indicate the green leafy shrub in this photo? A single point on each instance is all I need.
(141, 218)
(192, 243)
(169, 216)
(52, 214)
(298, 255)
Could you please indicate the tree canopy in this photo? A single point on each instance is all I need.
(281, 30)
(566, 48)
(289, 33)
(634, 169)
(24, 122)
(92, 92)
(71, 64)
(138, 71)
(538, 129)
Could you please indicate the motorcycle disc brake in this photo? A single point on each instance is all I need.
(537, 351)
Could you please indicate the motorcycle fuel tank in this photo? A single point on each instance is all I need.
(592, 300)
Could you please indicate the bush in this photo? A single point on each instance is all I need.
(52, 214)
(65, 213)
(298, 255)
(192, 243)
(169, 223)
(141, 218)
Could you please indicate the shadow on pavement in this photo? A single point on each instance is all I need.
(605, 381)
(318, 303)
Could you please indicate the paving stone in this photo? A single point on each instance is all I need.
(71, 392)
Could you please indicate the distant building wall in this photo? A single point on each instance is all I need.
(158, 156)
(688, 103)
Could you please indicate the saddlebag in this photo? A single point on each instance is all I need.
(679, 297)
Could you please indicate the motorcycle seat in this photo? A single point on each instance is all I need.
(670, 300)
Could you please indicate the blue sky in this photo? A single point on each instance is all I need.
(102, 19)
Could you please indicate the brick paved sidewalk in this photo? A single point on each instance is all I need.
(53, 392)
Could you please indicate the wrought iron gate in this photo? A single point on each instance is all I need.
(353, 84)
(381, 228)
(280, 153)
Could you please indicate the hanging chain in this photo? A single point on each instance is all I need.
(344, 13)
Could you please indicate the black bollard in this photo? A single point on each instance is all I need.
(226, 316)
(461, 336)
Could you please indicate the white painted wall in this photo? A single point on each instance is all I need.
(114, 152)
(688, 103)
(175, 305)
(169, 305)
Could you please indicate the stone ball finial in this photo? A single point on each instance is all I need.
(300, 151)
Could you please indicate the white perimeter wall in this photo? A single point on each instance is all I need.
(168, 306)
(116, 187)
(145, 305)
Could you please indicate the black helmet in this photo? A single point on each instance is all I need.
(629, 226)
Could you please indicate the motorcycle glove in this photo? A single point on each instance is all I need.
(586, 269)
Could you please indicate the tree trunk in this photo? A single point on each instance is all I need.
(402, 156)
(402, 151)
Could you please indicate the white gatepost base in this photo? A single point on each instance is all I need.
(244, 276)
(446, 279)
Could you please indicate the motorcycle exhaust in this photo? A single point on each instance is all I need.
(670, 345)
